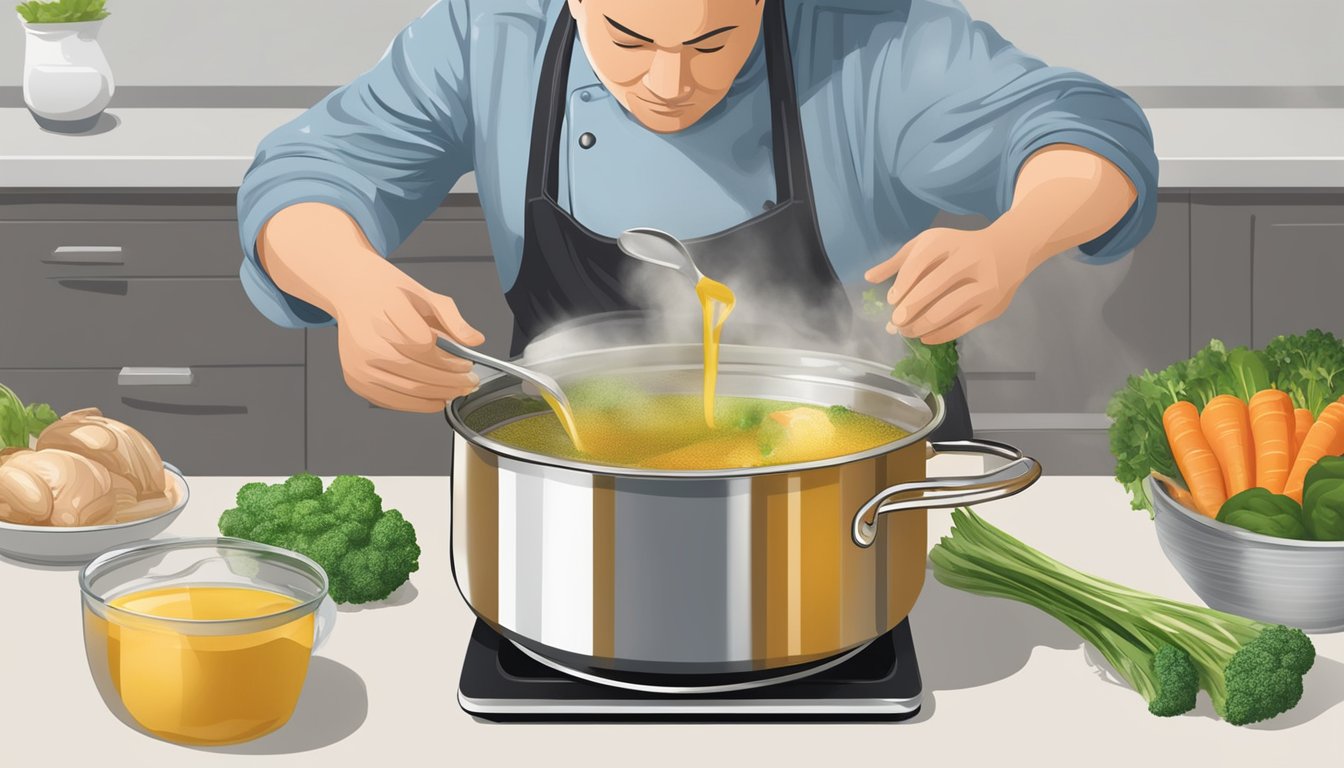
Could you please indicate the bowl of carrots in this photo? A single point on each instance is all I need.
(1253, 525)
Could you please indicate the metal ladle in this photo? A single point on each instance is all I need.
(657, 247)
(550, 388)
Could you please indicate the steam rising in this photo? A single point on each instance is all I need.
(768, 313)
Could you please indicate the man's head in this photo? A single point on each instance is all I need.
(667, 62)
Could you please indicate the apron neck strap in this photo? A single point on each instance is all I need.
(791, 175)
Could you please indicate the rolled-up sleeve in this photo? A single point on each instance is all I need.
(961, 110)
(385, 149)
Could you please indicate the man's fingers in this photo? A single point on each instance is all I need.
(411, 325)
(941, 310)
(892, 266)
(418, 341)
(883, 272)
(916, 269)
(450, 319)
(956, 329)
(392, 400)
(456, 385)
(453, 371)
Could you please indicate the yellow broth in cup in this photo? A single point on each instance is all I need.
(207, 688)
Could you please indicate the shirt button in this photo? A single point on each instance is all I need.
(585, 96)
(587, 140)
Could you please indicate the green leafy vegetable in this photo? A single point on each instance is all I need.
(40, 416)
(1309, 367)
(1247, 373)
(1137, 437)
(747, 415)
(62, 11)
(1323, 499)
(19, 422)
(366, 551)
(1269, 514)
(873, 305)
(932, 367)
(1165, 649)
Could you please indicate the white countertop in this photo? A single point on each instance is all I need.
(212, 147)
(1004, 684)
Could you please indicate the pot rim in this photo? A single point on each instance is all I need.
(934, 401)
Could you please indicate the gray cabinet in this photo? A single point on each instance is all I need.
(238, 420)
(94, 283)
(1265, 265)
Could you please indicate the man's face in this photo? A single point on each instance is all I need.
(668, 62)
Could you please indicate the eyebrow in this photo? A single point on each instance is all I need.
(627, 30)
(708, 35)
(621, 27)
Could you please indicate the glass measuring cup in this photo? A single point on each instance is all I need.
(203, 641)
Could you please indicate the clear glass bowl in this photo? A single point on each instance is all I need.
(203, 641)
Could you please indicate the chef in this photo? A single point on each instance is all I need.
(803, 146)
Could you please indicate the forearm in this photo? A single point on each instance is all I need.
(317, 253)
(1065, 196)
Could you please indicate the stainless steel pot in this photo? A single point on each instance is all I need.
(621, 572)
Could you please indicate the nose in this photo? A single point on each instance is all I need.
(668, 78)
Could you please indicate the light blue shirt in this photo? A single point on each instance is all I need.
(909, 108)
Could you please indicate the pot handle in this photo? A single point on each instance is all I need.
(947, 492)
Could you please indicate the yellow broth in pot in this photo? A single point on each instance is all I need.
(624, 426)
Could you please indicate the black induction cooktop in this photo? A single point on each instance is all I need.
(501, 683)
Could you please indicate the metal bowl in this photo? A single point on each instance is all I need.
(77, 545)
(1283, 581)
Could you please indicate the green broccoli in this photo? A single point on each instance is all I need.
(1165, 649)
(366, 551)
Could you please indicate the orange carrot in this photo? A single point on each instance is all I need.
(1227, 427)
(1271, 413)
(1325, 438)
(1194, 457)
(1302, 421)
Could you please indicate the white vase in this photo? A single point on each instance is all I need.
(67, 82)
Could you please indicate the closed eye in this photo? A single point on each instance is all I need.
(628, 45)
(710, 50)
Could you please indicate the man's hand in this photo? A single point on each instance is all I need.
(950, 281)
(387, 334)
(387, 323)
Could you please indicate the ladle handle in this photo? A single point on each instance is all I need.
(467, 353)
(538, 380)
(949, 492)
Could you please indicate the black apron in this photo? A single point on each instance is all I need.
(569, 272)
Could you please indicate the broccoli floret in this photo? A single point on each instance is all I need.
(366, 551)
(1177, 682)
(1166, 650)
(1255, 671)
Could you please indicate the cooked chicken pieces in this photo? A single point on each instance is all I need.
(87, 469)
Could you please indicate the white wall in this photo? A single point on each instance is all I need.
(1180, 42)
(325, 42)
(234, 42)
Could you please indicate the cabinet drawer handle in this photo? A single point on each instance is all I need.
(155, 377)
(86, 254)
